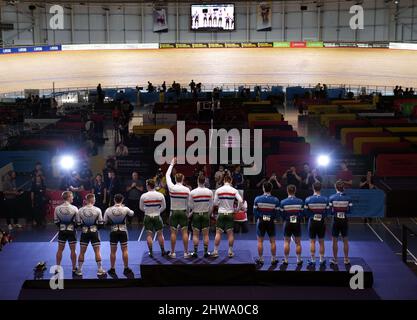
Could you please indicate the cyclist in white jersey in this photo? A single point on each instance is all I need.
(116, 217)
(90, 219)
(65, 217)
(179, 195)
(224, 199)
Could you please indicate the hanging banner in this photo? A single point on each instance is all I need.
(160, 23)
(264, 16)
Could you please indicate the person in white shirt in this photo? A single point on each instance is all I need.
(201, 206)
(224, 199)
(65, 217)
(116, 217)
(152, 203)
(179, 207)
(90, 219)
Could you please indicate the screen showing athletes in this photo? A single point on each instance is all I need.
(213, 17)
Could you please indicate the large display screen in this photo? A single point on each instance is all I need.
(212, 17)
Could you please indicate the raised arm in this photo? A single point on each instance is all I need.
(168, 173)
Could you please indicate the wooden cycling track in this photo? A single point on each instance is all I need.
(354, 66)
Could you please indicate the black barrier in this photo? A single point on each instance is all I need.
(17, 208)
(401, 203)
(406, 230)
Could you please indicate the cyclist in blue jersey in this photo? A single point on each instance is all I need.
(292, 210)
(265, 209)
(316, 207)
(340, 205)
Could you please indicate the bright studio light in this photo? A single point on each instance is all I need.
(67, 162)
(323, 160)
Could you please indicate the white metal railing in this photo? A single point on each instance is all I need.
(227, 87)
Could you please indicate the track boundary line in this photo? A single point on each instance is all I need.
(54, 237)
(399, 241)
(373, 230)
(140, 235)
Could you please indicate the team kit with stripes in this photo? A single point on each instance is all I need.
(199, 205)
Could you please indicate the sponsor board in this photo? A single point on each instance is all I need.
(110, 46)
(30, 49)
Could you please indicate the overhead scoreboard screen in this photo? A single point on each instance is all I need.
(213, 17)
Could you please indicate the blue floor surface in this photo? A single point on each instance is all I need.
(392, 278)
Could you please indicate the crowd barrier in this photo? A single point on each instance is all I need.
(398, 207)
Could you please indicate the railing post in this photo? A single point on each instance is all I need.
(405, 244)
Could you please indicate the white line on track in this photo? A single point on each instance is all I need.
(373, 230)
(154, 237)
(398, 240)
(56, 235)
(140, 235)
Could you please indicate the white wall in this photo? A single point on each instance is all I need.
(133, 23)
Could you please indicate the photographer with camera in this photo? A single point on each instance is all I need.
(160, 182)
(291, 177)
(273, 180)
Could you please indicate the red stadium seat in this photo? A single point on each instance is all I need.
(279, 133)
(352, 135)
(396, 165)
(294, 148)
(370, 147)
(334, 124)
(280, 163)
